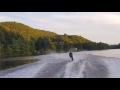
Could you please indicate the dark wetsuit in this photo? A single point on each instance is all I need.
(71, 55)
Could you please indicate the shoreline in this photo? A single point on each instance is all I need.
(21, 55)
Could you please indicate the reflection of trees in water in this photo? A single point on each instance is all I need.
(8, 64)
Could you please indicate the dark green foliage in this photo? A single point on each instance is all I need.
(95, 46)
(17, 39)
(115, 46)
(42, 44)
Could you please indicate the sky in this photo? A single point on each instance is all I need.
(95, 26)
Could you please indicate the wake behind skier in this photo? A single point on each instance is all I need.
(71, 55)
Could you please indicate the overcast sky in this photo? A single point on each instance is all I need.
(95, 26)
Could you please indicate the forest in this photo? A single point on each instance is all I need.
(115, 46)
(17, 39)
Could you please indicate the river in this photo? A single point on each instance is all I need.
(86, 64)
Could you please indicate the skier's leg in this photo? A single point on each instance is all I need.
(72, 58)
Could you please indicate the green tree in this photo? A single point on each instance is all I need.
(1, 49)
(52, 46)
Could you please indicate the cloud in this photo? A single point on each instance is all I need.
(41, 21)
(98, 26)
(5, 18)
(99, 17)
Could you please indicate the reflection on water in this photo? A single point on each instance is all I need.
(9, 64)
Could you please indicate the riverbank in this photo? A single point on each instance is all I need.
(2, 56)
(39, 53)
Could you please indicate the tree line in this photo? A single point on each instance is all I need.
(115, 46)
(17, 39)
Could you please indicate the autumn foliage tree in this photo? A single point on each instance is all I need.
(17, 39)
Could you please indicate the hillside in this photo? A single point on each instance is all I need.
(24, 30)
(17, 39)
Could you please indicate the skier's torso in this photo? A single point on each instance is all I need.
(70, 54)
